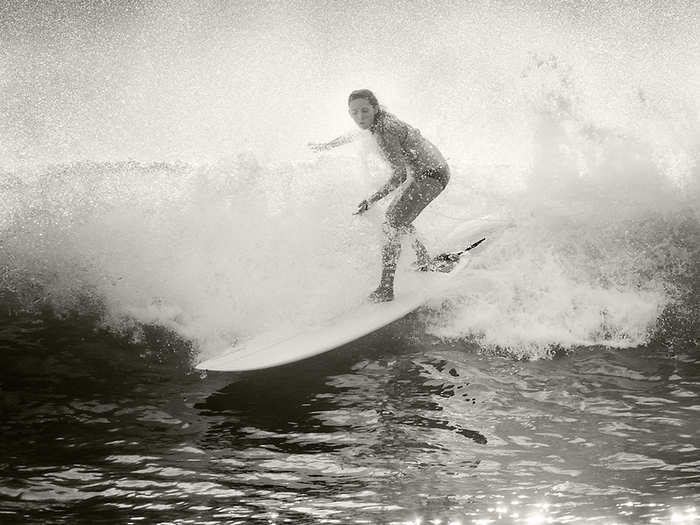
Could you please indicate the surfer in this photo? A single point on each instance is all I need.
(404, 149)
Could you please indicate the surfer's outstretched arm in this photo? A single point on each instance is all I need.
(338, 141)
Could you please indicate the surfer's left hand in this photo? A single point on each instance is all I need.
(362, 207)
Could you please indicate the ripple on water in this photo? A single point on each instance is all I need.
(631, 461)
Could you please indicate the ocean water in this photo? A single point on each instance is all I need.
(159, 204)
(390, 429)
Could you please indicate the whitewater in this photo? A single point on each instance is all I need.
(215, 221)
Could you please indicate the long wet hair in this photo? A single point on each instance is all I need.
(366, 94)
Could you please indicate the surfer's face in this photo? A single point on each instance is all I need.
(362, 112)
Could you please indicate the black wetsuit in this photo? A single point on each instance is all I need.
(403, 146)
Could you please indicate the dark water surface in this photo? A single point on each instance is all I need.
(391, 429)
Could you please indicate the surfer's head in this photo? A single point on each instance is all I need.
(363, 107)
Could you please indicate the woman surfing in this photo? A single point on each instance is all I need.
(405, 149)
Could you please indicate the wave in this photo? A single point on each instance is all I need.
(577, 124)
(219, 253)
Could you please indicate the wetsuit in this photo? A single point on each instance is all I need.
(404, 147)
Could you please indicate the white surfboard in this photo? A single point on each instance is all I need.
(282, 347)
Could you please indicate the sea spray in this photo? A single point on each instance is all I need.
(214, 254)
(594, 256)
(577, 123)
(221, 253)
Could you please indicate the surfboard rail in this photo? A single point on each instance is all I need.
(290, 345)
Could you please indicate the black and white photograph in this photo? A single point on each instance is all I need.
(377, 262)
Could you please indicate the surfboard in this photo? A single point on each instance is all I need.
(287, 346)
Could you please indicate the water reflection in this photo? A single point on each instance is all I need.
(349, 440)
(390, 430)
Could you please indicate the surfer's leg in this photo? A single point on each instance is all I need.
(390, 257)
(409, 205)
(422, 254)
(399, 216)
(417, 195)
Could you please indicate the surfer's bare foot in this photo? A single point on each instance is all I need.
(425, 267)
(383, 294)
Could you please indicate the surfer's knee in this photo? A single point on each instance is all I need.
(395, 231)
(397, 221)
